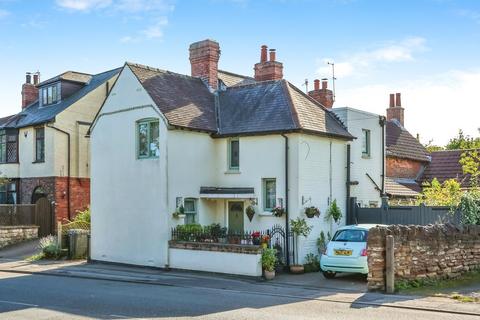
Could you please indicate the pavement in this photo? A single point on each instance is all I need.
(20, 251)
(346, 290)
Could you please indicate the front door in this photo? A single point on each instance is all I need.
(235, 217)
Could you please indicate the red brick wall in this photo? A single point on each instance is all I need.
(403, 168)
(204, 56)
(79, 196)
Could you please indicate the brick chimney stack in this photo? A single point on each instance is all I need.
(322, 95)
(29, 89)
(395, 110)
(268, 70)
(204, 56)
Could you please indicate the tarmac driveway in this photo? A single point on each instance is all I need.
(20, 251)
(343, 281)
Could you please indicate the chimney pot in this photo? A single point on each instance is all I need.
(272, 55)
(324, 83)
(392, 100)
(398, 100)
(316, 84)
(28, 78)
(263, 54)
(36, 78)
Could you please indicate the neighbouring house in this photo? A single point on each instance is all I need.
(446, 165)
(43, 149)
(406, 157)
(215, 143)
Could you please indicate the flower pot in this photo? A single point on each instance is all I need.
(256, 241)
(297, 269)
(269, 275)
(310, 215)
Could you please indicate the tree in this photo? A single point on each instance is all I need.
(470, 161)
(435, 193)
(462, 141)
(431, 147)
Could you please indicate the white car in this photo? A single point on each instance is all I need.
(347, 251)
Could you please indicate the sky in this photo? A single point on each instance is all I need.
(428, 50)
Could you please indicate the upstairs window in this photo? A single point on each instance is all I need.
(40, 144)
(269, 194)
(234, 154)
(50, 94)
(148, 144)
(8, 146)
(365, 143)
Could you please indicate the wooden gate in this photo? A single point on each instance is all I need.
(44, 217)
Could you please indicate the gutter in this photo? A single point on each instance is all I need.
(287, 242)
(69, 211)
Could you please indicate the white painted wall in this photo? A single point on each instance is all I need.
(356, 120)
(212, 261)
(128, 195)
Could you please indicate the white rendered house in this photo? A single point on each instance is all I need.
(215, 143)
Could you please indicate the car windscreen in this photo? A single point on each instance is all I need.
(350, 235)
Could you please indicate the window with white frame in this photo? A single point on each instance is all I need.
(50, 94)
(365, 143)
(233, 154)
(190, 210)
(148, 144)
(269, 194)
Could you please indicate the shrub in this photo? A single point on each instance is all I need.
(269, 259)
(50, 248)
(300, 227)
(83, 216)
(312, 264)
(333, 212)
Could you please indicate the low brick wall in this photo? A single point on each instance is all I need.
(15, 234)
(434, 251)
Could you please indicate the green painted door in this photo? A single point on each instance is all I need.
(235, 216)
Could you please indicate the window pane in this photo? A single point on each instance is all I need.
(44, 94)
(40, 144)
(154, 139)
(49, 95)
(3, 198)
(3, 147)
(143, 139)
(270, 194)
(189, 206)
(54, 94)
(234, 154)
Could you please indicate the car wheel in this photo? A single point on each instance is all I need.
(329, 274)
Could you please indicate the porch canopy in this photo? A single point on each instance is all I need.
(227, 193)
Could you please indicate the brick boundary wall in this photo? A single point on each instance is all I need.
(433, 251)
(15, 234)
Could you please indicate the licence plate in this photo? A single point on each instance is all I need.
(342, 252)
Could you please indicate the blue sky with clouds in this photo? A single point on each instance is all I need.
(426, 49)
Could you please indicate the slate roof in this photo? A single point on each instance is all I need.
(231, 79)
(256, 108)
(402, 187)
(400, 143)
(185, 101)
(34, 114)
(445, 165)
(72, 76)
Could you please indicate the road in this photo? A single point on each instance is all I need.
(54, 297)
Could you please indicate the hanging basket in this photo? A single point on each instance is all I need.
(250, 211)
(312, 211)
(278, 211)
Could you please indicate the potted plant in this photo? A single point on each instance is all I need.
(322, 242)
(250, 211)
(269, 260)
(278, 211)
(312, 263)
(256, 238)
(179, 213)
(312, 211)
(299, 227)
(264, 241)
(333, 212)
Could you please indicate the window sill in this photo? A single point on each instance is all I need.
(232, 171)
(266, 214)
(149, 158)
(366, 156)
(39, 161)
(9, 162)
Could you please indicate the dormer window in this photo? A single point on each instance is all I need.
(50, 94)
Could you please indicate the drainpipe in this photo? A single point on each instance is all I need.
(382, 124)
(286, 201)
(68, 168)
(349, 209)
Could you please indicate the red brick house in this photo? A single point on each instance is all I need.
(406, 157)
